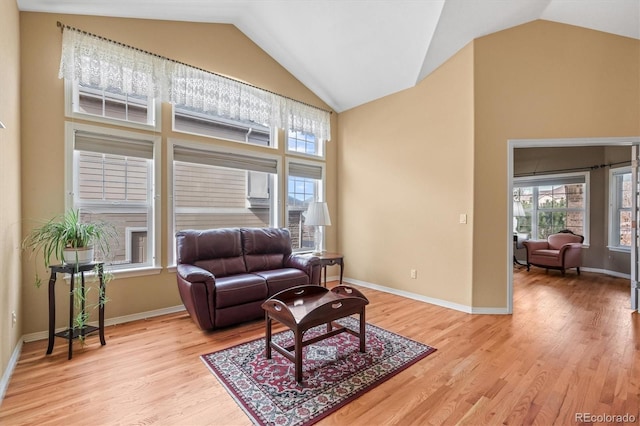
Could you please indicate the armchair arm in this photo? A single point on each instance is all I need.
(533, 245)
(571, 255)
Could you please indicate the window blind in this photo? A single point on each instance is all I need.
(108, 144)
(550, 180)
(305, 170)
(224, 159)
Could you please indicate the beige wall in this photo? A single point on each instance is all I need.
(10, 275)
(406, 174)
(219, 48)
(411, 162)
(540, 80)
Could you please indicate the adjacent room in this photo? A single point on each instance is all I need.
(397, 160)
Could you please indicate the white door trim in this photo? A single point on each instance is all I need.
(542, 143)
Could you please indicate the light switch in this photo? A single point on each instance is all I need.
(463, 218)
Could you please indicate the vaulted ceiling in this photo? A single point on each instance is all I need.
(349, 52)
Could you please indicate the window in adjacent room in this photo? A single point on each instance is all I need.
(112, 178)
(221, 189)
(620, 214)
(304, 185)
(553, 203)
(197, 122)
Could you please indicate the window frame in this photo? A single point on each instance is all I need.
(521, 182)
(71, 97)
(273, 132)
(320, 195)
(321, 147)
(155, 219)
(274, 215)
(614, 197)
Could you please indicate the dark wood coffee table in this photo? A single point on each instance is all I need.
(303, 307)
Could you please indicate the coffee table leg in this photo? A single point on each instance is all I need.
(298, 356)
(267, 348)
(363, 325)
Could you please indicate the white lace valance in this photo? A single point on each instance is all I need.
(95, 61)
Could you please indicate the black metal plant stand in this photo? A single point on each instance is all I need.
(72, 332)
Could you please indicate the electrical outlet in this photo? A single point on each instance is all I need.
(14, 318)
(414, 274)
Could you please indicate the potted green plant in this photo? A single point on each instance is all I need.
(66, 238)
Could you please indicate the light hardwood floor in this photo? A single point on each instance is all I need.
(572, 346)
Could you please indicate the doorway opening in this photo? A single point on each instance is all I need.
(515, 144)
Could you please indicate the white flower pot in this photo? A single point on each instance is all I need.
(80, 256)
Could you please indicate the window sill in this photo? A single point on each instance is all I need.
(135, 272)
(619, 249)
(125, 273)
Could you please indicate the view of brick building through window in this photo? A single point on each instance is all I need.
(550, 209)
(625, 215)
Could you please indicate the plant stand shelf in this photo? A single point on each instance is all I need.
(84, 331)
(72, 332)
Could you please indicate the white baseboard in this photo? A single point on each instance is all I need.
(606, 272)
(430, 300)
(40, 335)
(8, 372)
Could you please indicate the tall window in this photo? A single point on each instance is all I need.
(620, 203)
(553, 203)
(304, 185)
(190, 120)
(216, 189)
(113, 179)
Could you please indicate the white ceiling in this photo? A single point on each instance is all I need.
(349, 52)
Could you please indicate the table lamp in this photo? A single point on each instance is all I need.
(518, 211)
(317, 215)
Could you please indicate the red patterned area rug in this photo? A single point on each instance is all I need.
(334, 373)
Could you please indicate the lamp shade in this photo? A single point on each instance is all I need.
(518, 210)
(317, 214)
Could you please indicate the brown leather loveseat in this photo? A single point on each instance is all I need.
(224, 275)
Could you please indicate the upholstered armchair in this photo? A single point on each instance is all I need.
(560, 251)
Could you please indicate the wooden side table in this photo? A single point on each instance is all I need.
(73, 332)
(329, 259)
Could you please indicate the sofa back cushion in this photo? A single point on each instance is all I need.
(556, 241)
(265, 248)
(219, 251)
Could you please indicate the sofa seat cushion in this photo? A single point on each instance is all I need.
(282, 279)
(547, 252)
(239, 289)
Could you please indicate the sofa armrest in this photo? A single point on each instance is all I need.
(196, 288)
(310, 265)
(193, 273)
